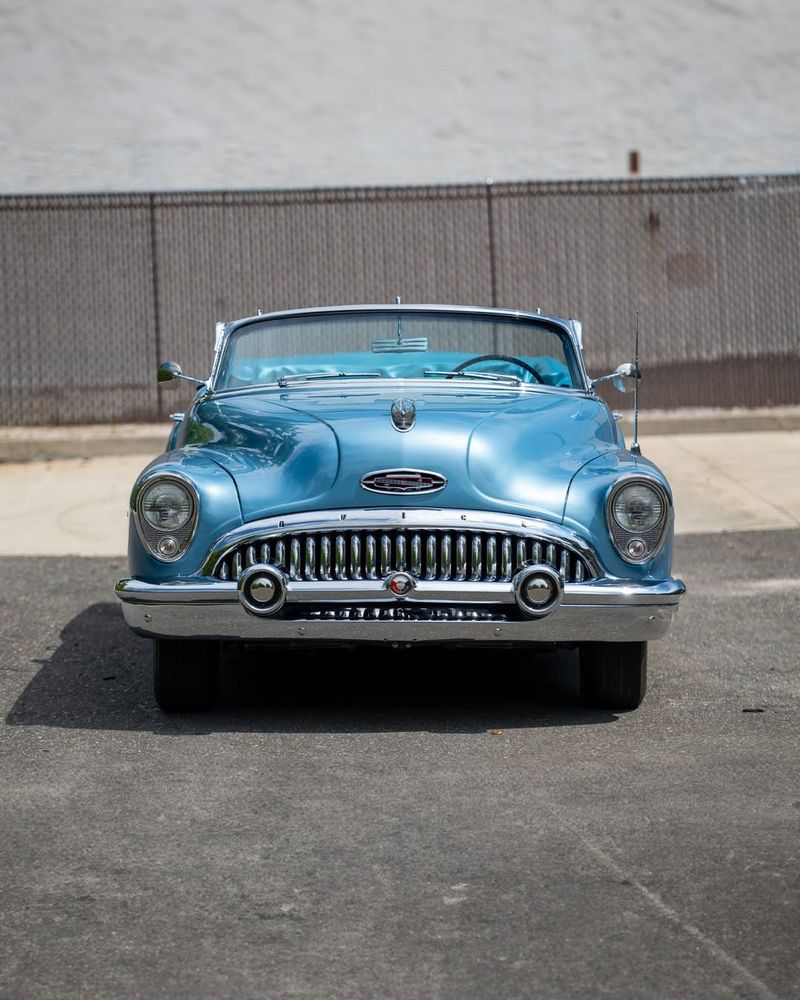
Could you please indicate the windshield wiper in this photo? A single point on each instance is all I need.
(491, 376)
(285, 380)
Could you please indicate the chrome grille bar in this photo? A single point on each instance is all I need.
(355, 557)
(400, 553)
(386, 554)
(431, 568)
(341, 569)
(477, 558)
(505, 560)
(481, 556)
(446, 569)
(461, 558)
(371, 558)
(416, 555)
(491, 559)
(311, 558)
(324, 558)
(294, 559)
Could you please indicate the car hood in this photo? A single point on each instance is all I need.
(498, 450)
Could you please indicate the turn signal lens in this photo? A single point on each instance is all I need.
(168, 546)
(636, 548)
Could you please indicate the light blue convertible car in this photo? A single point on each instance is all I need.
(402, 474)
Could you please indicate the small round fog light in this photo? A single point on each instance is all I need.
(538, 591)
(168, 546)
(262, 589)
(636, 548)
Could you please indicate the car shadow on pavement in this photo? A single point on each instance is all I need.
(99, 677)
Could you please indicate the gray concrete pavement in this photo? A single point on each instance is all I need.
(735, 481)
(456, 830)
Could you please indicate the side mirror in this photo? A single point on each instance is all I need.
(169, 371)
(617, 378)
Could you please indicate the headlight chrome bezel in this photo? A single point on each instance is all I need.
(149, 534)
(652, 538)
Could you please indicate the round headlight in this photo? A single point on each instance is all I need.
(166, 505)
(638, 507)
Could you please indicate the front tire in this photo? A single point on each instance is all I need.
(185, 674)
(613, 674)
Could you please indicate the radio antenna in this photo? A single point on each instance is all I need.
(635, 449)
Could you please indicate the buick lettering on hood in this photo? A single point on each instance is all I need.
(402, 474)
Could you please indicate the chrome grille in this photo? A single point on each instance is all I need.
(428, 554)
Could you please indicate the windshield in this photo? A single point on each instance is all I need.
(398, 345)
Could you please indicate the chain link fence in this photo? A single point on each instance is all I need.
(97, 289)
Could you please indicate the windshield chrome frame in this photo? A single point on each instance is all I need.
(564, 326)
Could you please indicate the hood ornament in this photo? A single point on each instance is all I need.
(404, 414)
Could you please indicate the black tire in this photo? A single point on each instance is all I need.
(185, 674)
(613, 674)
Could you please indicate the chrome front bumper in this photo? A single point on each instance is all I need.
(603, 610)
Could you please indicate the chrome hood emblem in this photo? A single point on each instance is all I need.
(404, 414)
(403, 481)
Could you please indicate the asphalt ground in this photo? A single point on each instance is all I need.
(442, 827)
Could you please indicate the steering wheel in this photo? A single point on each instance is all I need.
(500, 357)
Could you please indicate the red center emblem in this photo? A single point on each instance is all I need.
(400, 584)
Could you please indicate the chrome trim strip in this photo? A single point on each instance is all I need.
(608, 592)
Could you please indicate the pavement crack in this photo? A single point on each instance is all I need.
(664, 910)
